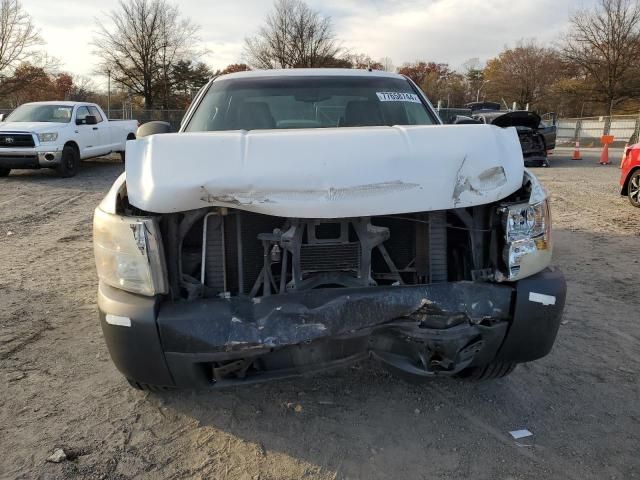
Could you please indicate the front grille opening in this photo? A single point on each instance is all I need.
(327, 231)
(236, 253)
(328, 258)
(16, 140)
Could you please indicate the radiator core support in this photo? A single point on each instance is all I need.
(259, 255)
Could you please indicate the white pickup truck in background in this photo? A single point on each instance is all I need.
(58, 135)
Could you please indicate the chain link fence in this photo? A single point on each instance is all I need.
(588, 130)
(174, 117)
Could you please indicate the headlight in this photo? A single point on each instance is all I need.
(47, 137)
(128, 253)
(528, 239)
(526, 221)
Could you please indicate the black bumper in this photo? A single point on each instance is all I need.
(422, 330)
(27, 161)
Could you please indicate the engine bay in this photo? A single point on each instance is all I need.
(227, 252)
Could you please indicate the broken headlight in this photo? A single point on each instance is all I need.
(527, 238)
(526, 221)
(128, 253)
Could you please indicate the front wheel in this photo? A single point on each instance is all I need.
(492, 371)
(69, 162)
(4, 172)
(634, 189)
(147, 387)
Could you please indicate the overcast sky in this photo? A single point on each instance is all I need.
(449, 31)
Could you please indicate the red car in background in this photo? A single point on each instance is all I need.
(630, 178)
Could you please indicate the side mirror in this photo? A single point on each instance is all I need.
(91, 120)
(1, 117)
(462, 120)
(153, 128)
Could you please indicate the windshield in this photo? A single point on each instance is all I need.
(309, 102)
(41, 113)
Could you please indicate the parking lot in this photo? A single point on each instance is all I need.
(60, 390)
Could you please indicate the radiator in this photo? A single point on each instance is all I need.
(235, 256)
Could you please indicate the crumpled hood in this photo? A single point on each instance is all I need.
(36, 127)
(518, 119)
(325, 173)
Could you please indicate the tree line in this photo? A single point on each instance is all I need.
(593, 68)
(152, 56)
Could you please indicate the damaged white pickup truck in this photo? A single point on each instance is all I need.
(305, 219)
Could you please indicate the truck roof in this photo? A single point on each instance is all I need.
(310, 72)
(64, 103)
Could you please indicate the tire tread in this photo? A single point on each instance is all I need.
(492, 371)
(148, 387)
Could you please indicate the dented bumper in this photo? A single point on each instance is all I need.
(421, 331)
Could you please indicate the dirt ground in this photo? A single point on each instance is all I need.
(58, 387)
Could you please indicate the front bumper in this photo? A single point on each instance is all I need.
(29, 158)
(421, 330)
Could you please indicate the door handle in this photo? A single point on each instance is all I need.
(95, 128)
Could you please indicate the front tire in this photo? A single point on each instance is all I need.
(147, 387)
(493, 371)
(4, 172)
(69, 163)
(633, 189)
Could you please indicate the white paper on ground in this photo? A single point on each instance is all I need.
(520, 434)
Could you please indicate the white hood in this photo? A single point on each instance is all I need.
(326, 173)
(35, 127)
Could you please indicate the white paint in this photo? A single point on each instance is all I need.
(118, 320)
(310, 72)
(328, 172)
(545, 300)
(108, 203)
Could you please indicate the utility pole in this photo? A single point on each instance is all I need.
(480, 89)
(108, 93)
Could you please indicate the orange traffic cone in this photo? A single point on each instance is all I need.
(604, 157)
(576, 152)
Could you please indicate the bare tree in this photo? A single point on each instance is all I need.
(83, 89)
(18, 35)
(294, 36)
(144, 42)
(605, 43)
(387, 64)
(525, 74)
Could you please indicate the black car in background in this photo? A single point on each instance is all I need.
(537, 137)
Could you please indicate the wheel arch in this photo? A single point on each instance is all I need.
(625, 185)
(71, 143)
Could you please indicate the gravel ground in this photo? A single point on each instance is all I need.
(59, 388)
